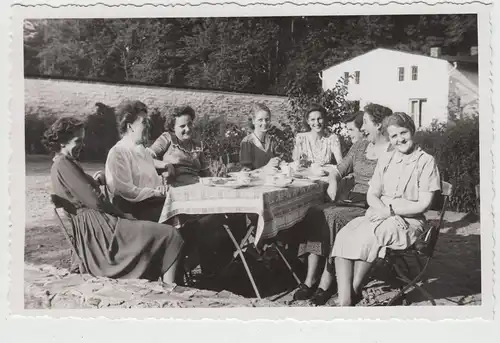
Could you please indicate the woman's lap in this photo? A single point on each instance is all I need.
(363, 240)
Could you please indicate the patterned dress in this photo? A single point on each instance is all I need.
(189, 163)
(108, 244)
(396, 176)
(323, 222)
(323, 153)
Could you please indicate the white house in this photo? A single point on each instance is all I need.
(419, 85)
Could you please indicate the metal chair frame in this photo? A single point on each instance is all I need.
(69, 235)
(422, 252)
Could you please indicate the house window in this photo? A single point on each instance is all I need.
(401, 72)
(417, 110)
(346, 78)
(414, 73)
(357, 75)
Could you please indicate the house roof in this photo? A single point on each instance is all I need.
(463, 59)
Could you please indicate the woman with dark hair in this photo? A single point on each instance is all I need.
(178, 152)
(258, 149)
(131, 176)
(316, 146)
(400, 191)
(322, 223)
(354, 122)
(109, 242)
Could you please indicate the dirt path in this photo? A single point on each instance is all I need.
(454, 273)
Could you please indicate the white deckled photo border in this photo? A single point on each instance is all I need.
(16, 179)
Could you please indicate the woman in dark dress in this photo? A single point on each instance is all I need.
(322, 223)
(109, 242)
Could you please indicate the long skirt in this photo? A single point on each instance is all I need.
(121, 248)
(362, 239)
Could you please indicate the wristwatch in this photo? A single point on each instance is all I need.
(392, 210)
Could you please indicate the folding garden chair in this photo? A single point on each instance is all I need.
(421, 252)
(69, 233)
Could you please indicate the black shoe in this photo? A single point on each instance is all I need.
(321, 297)
(303, 293)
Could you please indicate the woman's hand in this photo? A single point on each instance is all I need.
(169, 170)
(99, 177)
(378, 215)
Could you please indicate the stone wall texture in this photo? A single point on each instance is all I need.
(79, 97)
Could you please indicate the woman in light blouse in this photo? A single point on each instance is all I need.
(400, 191)
(131, 176)
(317, 146)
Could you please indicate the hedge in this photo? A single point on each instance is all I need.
(456, 149)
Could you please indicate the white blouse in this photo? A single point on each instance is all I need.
(130, 172)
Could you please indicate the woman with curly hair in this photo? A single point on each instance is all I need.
(110, 243)
(176, 150)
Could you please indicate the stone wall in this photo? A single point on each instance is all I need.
(80, 97)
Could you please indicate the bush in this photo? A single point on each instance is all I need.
(36, 121)
(220, 139)
(101, 133)
(456, 149)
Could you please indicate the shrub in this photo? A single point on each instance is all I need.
(36, 121)
(101, 133)
(220, 139)
(456, 149)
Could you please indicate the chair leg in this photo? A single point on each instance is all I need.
(243, 259)
(410, 284)
(286, 263)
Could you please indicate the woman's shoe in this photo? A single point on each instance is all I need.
(320, 297)
(303, 293)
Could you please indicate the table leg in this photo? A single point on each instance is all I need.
(243, 259)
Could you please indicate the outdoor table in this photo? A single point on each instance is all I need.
(277, 209)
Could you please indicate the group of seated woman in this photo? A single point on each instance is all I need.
(392, 182)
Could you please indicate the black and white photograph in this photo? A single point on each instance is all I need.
(285, 161)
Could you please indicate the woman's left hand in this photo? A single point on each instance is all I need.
(378, 215)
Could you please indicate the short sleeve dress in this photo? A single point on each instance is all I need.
(189, 163)
(108, 244)
(396, 176)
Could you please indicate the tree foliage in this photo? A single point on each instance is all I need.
(236, 54)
